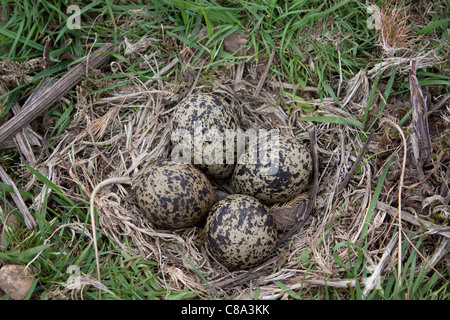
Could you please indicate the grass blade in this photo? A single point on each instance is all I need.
(53, 187)
(375, 196)
(23, 40)
(288, 290)
(331, 119)
(386, 94)
(214, 292)
(369, 101)
(434, 25)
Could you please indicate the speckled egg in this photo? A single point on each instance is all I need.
(199, 126)
(174, 195)
(279, 177)
(240, 232)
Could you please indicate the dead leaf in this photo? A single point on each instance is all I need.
(14, 278)
(420, 121)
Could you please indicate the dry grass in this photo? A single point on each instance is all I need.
(353, 238)
(115, 135)
(395, 32)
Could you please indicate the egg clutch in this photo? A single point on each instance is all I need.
(208, 145)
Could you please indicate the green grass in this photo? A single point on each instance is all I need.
(315, 43)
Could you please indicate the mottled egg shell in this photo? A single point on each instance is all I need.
(174, 195)
(240, 232)
(284, 176)
(209, 115)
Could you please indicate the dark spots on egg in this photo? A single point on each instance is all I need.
(167, 193)
(213, 113)
(291, 178)
(240, 233)
(305, 165)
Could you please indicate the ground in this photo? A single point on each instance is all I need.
(378, 228)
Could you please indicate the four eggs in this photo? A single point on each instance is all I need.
(178, 193)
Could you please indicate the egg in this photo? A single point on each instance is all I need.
(202, 129)
(174, 195)
(280, 177)
(240, 232)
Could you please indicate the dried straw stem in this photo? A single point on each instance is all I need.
(122, 180)
(400, 186)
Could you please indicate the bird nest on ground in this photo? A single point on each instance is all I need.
(117, 132)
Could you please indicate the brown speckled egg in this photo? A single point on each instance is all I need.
(240, 232)
(174, 195)
(211, 116)
(280, 179)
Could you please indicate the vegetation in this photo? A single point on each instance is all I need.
(341, 66)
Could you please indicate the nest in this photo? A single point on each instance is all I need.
(117, 132)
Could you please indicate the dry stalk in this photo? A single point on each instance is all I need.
(353, 169)
(118, 144)
(402, 64)
(394, 25)
(30, 222)
(53, 94)
(400, 186)
(420, 120)
(123, 180)
(375, 277)
(437, 252)
(414, 220)
(264, 75)
(357, 85)
(25, 138)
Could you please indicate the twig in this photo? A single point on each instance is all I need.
(439, 253)
(423, 257)
(26, 138)
(408, 217)
(400, 185)
(238, 75)
(438, 105)
(195, 83)
(163, 71)
(54, 93)
(283, 85)
(27, 217)
(264, 75)
(420, 121)
(121, 180)
(21, 139)
(372, 280)
(353, 169)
